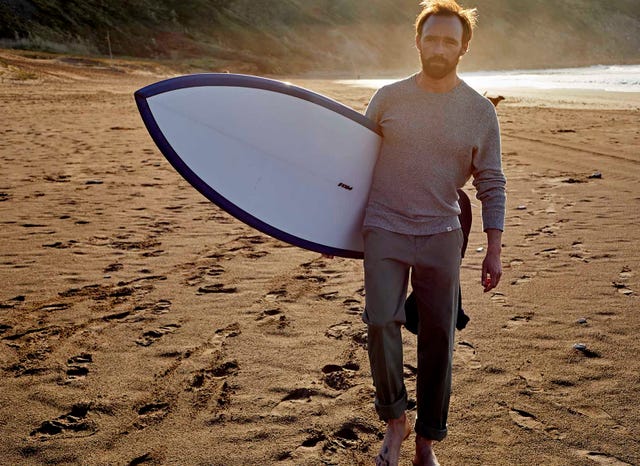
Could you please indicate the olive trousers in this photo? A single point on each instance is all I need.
(433, 264)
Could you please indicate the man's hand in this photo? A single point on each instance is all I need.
(491, 270)
(492, 264)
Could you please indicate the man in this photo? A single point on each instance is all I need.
(437, 133)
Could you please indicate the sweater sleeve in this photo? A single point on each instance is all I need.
(488, 177)
(374, 109)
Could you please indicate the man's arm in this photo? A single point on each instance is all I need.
(492, 264)
(489, 181)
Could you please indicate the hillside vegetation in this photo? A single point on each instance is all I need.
(348, 36)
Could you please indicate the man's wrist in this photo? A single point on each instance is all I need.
(494, 241)
(494, 249)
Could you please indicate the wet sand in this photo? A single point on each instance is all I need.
(139, 324)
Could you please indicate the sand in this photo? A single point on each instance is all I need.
(139, 324)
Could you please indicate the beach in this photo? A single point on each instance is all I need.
(140, 324)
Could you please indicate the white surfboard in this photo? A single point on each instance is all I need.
(287, 161)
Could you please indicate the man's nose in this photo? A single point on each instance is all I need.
(438, 47)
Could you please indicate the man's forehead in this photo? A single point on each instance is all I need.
(441, 25)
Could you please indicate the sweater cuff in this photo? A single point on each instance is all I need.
(493, 220)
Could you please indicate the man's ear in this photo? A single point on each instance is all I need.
(465, 49)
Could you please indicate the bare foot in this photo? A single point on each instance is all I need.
(397, 431)
(424, 453)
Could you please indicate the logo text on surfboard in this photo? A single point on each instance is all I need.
(345, 186)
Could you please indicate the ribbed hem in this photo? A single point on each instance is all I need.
(392, 411)
(493, 218)
(423, 226)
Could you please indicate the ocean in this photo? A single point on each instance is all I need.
(616, 78)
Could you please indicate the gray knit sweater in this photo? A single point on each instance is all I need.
(432, 144)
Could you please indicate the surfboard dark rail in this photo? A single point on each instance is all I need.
(255, 82)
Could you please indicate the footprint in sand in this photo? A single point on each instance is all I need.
(548, 253)
(275, 295)
(117, 316)
(230, 331)
(76, 423)
(466, 353)
(600, 416)
(529, 421)
(626, 273)
(601, 458)
(620, 284)
(320, 266)
(217, 288)
(353, 305)
(58, 245)
(54, 307)
(622, 288)
(314, 446)
(268, 313)
(348, 436)
(13, 302)
(256, 254)
(518, 320)
(339, 377)
(523, 279)
(211, 384)
(532, 378)
(578, 252)
(151, 336)
(274, 319)
(338, 331)
(499, 298)
(313, 440)
(151, 413)
(154, 253)
(115, 267)
(329, 296)
(311, 278)
(301, 401)
(77, 366)
(346, 330)
(137, 245)
(161, 307)
(145, 458)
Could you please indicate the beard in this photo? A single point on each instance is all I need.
(438, 67)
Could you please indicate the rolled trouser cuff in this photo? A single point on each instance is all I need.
(392, 411)
(429, 432)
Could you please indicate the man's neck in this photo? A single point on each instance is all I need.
(439, 86)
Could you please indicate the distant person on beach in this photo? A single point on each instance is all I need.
(437, 134)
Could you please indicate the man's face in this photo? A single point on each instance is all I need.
(440, 45)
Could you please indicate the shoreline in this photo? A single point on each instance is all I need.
(18, 67)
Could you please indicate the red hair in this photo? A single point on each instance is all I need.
(467, 16)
